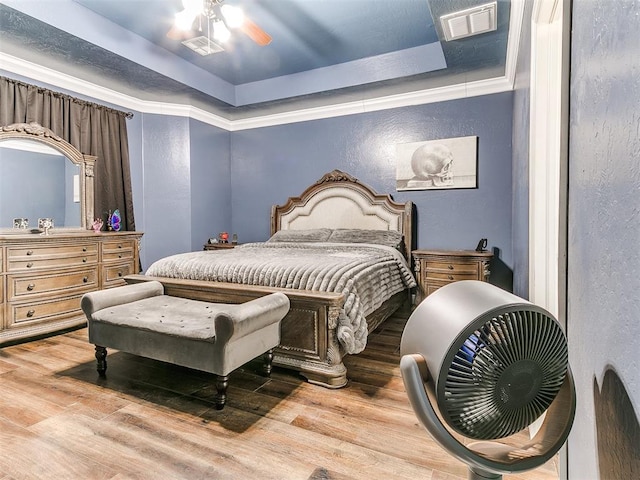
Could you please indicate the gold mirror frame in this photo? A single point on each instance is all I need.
(35, 131)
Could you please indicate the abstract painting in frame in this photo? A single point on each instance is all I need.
(437, 164)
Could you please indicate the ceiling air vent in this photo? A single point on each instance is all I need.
(472, 21)
(203, 45)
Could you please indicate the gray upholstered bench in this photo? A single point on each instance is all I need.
(212, 337)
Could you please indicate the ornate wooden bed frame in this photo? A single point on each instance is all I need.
(308, 333)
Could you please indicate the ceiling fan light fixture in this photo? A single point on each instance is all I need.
(220, 32)
(184, 20)
(232, 15)
(195, 7)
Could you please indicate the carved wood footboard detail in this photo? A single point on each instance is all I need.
(321, 365)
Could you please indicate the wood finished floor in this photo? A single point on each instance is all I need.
(151, 420)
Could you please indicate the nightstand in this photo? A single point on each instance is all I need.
(436, 268)
(219, 246)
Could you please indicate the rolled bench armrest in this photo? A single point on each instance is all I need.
(240, 320)
(95, 301)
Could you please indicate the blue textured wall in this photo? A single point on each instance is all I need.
(167, 190)
(604, 238)
(210, 182)
(180, 181)
(270, 164)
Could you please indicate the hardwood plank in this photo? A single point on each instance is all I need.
(27, 455)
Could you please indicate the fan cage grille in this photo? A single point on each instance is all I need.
(505, 374)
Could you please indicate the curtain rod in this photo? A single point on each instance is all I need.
(127, 115)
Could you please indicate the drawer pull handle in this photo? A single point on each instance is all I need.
(119, 246)
(119, 274)
(84, 260)
(450, 277)
(29, 252)
(450, 267)
(31, 286)
(85, 279)
(31, 313)
(84, 249)
(120, 256)
(29, 265)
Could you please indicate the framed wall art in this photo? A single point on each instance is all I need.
(437, 164)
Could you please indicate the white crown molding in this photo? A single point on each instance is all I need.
(62, 80)
(516, 17)
(421, 97)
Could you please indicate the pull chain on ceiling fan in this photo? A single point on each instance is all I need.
(220, 21)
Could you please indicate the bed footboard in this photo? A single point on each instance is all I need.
(308, 342)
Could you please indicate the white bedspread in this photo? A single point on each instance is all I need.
(366, 274)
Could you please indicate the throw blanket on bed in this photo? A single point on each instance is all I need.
(366, 274)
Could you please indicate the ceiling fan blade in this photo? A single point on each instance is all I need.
(255, 33)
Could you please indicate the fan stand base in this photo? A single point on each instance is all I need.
(477, 474)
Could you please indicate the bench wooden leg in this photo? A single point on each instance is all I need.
(101, 360)
(268, 362)
(222, 382)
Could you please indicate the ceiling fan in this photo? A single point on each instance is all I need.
(218, 19)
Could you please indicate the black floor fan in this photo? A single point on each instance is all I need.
(480, 364)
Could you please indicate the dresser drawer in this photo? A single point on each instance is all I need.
(51, 256)
(20, 313)
(118, 250)
(23, 286)
(113, 275)
(31, 251)
(32, 265)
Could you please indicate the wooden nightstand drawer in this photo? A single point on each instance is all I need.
(436, 268)
(452, 267)
(452, 277)
(22, 286)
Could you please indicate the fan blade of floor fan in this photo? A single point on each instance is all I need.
(255, 33)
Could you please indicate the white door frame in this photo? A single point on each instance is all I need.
(548, 155)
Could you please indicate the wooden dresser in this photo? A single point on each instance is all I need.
(435, 268)
(43, 277)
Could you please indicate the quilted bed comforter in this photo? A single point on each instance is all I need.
(366, 274)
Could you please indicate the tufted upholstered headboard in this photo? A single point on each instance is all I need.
(338, 200)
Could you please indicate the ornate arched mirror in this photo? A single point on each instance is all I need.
(43, 176)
